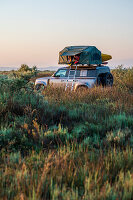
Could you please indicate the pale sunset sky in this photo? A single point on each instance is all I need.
(34, 31)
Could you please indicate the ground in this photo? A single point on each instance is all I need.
(65, 145)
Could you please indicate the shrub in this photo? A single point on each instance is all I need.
(57, 144)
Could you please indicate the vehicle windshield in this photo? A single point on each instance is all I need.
(61, 73)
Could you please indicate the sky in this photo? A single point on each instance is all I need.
(34, 31)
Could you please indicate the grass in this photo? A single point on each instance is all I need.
(63, 145)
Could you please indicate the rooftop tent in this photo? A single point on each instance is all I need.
(89, 55)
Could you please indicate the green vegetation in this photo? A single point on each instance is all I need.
(63, 145)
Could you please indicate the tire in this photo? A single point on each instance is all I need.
(39, 86)
(82, 89)
(107, 80)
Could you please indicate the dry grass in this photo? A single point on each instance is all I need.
(66, 145)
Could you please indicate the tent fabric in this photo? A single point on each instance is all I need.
(88, 55)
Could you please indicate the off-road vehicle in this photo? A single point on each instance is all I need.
(84, 77)
(85, 69)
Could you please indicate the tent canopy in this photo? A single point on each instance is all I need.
(88, 55)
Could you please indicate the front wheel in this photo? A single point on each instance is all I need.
(81, 89)
(39, 87)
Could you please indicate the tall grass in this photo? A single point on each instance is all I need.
(63, 145)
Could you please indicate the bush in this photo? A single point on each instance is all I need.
(26, 68)
(63, 145)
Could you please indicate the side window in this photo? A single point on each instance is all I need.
(86, 73)
(72, 72)
(61, 73)
(78, 73)
(83, 73)
(91, 73)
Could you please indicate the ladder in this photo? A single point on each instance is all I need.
(71, 78)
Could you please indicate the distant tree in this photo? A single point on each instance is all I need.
(24, 68)
(34, 68)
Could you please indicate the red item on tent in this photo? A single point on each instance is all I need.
(76, 58)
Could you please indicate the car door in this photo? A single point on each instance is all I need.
(59, 78)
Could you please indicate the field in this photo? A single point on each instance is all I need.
(65, 145)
